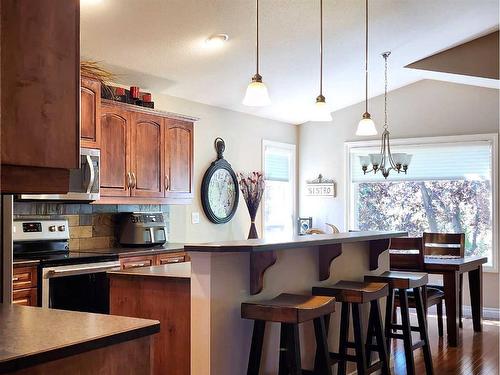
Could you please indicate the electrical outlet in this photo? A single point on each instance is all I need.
(195, 217)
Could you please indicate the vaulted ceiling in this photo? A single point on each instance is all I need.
(159, 45)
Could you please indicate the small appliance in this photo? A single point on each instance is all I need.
(141, 228)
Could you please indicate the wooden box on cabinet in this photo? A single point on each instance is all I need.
(40, 83)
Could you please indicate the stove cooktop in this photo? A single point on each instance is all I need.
(66, 258)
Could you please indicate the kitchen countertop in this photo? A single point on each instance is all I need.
(293, 242)
(174, 270)
(140, 250)
(34, 335)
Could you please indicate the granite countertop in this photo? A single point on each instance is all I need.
(34, 335)
(25, 262)
(139, 250)
(293, 242)
(173, 270)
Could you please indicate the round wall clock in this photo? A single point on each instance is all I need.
(219, 188)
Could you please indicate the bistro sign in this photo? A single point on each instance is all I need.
(321, 187)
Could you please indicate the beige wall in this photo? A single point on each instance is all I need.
(425, 108)
(243, 135)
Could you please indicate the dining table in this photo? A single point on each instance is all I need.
(451, 268)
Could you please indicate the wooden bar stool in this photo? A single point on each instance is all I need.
(353, 293)
(402, 281)
(290, 310)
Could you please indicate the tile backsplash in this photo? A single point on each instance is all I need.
(90, 226)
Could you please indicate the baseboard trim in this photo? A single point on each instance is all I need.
(488, 312)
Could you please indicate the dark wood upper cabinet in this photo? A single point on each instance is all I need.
(90, 113)
(115, 174)
(178, 159)
(147, 155)
(40, 85)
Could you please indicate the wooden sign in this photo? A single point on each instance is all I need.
(321, 187)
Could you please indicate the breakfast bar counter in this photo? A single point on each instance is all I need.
(225, 274)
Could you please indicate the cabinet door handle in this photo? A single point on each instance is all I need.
(129, 180)
(167, 182)
(134, 181)
(15, 279)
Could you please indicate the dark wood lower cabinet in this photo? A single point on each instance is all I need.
(167, 299)
(127, 263)
(24, 285)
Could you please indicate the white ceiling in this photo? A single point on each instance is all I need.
(159, 45)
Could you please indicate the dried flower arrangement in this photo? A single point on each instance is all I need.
(252, 187)
(91, 69)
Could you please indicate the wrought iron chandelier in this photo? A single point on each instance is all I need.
(385, 161)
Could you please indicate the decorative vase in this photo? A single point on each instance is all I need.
(252, 234)
(252, 187)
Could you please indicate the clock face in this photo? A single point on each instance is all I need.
(222, 192)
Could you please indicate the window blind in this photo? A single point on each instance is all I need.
(450, 161)
(277, 165)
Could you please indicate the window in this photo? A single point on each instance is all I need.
(279, 193)
(450, 187)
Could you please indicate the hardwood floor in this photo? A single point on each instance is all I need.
(479, 353)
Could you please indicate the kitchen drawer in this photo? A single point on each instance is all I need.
(24, 297)
(24, 277)
(171, 258)
(135, 262)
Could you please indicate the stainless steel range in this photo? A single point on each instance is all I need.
(69, 280)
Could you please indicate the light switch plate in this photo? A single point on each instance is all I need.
(195, 217)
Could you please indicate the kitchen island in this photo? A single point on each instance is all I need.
(48, 341)
(225, 274)
(161, 293)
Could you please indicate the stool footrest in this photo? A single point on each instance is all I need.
(400, 327)
(418, 345)
(338, 357)
(375, 367)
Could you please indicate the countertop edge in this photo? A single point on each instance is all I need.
(29, 360)
(321, 240)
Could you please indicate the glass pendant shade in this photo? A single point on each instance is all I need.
(376, 159)
(257, 94)
(321, 111)
(364, 161)
(366, 126)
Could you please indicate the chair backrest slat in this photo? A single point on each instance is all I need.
(407, 254)
(444, 244)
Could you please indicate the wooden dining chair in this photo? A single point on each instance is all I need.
(407, 254)
(447, 244)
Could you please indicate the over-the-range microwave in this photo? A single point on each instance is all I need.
(83, 182)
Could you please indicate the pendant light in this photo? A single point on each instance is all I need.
(321, 111)
(256, 94)
(385, 161)
(366, 126)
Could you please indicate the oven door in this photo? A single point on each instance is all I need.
(82, 287)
